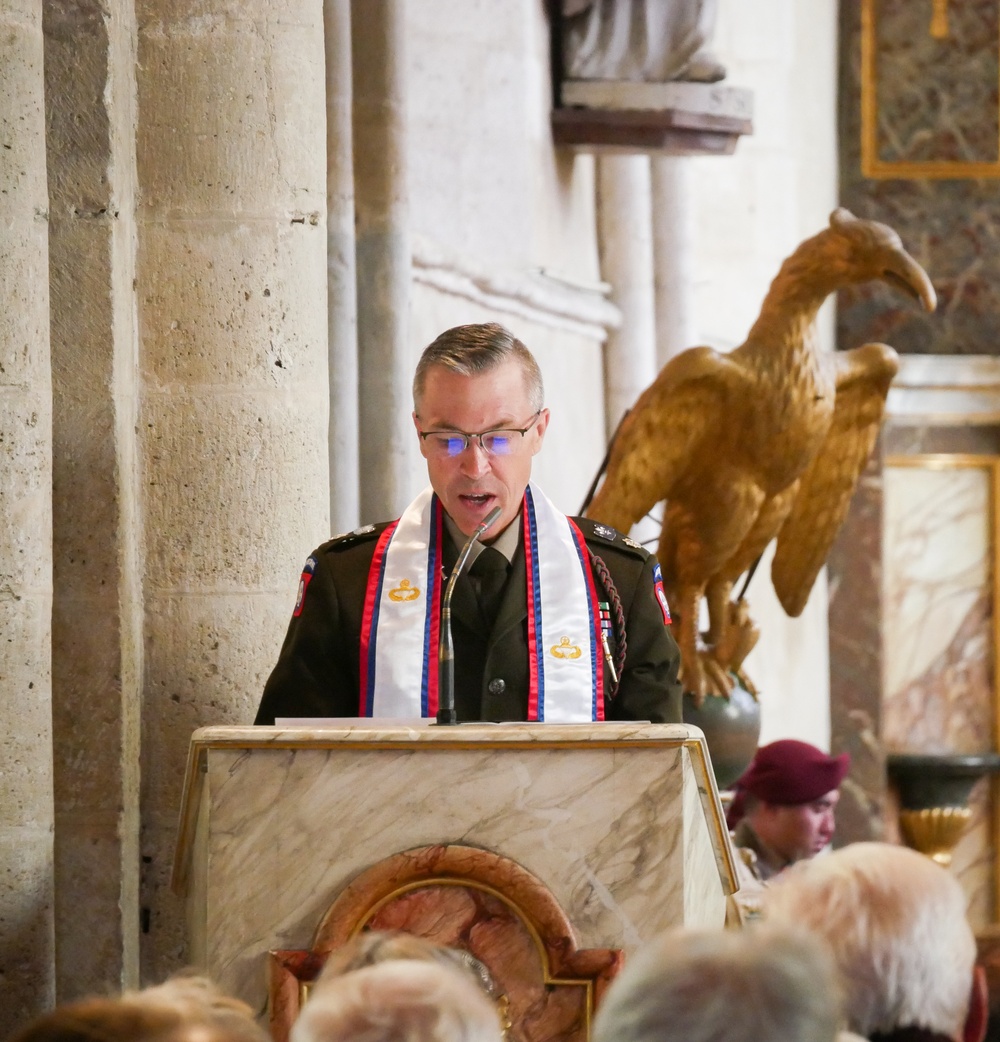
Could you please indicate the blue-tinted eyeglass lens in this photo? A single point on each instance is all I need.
(498, 443)
(453, 444)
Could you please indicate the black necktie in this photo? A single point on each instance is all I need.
(489, 572)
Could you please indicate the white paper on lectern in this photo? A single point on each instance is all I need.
(350, 721)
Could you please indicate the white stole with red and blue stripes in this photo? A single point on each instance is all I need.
(401, 620)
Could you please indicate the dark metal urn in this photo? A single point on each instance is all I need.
(732, 730)
(933, 797)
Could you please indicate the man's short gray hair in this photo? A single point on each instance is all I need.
(402, 1000)
(475, 349)
(896, 924)
(721, 986)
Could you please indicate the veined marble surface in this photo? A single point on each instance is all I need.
(620, 821)
(938, 639)
(938, 621)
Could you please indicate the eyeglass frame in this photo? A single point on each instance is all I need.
(469, 438)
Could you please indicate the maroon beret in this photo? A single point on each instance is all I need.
(789, 772)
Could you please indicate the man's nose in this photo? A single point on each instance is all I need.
(475, 460)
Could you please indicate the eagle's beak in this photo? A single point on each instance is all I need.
(905, 273)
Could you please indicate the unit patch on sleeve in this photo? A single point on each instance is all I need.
(661, 596)
(307, 573)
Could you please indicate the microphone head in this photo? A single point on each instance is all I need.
(488, 520)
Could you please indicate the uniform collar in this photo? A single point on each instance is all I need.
(506, 542)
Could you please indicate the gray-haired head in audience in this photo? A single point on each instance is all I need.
(762, 985)
(402, 1000)
(896, 924)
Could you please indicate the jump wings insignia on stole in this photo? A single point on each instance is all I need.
(565, 649)
(404, 592)
(606, 532)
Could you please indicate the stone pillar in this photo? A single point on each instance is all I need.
(342, 317)
(97, 612)
(626, 249)
(673, 253)
(383, 254)
(26, 933)
(234, 408)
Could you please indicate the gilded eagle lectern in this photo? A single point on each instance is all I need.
(766, 442)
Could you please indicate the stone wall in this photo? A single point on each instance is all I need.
(26, 809)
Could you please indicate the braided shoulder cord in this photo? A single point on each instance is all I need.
(617, 618)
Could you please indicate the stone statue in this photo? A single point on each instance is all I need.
(766, 442)
(639, 40)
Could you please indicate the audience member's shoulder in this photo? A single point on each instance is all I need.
(605, 537)
(359, 537)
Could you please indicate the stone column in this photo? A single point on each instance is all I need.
(234, 409)
(26, 933)
(626, 249)
(383, 254)
(97, 611)
(345, 506)
(673, 253)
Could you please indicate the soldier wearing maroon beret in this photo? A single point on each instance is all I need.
(783, 809)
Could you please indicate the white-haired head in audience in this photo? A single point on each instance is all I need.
(721, 986)
(401, 1000)
(896, 925)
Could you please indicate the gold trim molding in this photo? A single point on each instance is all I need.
(879, 169)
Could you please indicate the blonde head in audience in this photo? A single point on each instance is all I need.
(401, 1000)
(896, 924)
(761, 985)
(184, 1009)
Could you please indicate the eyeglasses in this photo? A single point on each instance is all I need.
(498, 442)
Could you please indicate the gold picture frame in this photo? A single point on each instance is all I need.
(878, 169)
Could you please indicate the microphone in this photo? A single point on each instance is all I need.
(446, 651)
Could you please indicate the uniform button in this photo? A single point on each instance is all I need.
(497, 686)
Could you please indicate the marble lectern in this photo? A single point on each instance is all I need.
(554, 846)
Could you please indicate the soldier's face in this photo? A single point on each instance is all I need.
(800, 831)
(471, 482)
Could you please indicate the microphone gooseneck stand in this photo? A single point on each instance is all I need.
(446, 651)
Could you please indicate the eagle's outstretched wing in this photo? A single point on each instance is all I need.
(668, 432)
(863, 378)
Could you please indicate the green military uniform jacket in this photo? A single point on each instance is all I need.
(317, 673)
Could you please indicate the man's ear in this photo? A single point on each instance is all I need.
(540, 426)
(416, 427)
(979, 1008)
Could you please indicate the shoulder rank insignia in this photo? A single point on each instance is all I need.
(348, 539)
(606, 532)
(629, 541)
(307, 573)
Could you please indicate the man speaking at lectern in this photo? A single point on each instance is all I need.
(555, 619)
